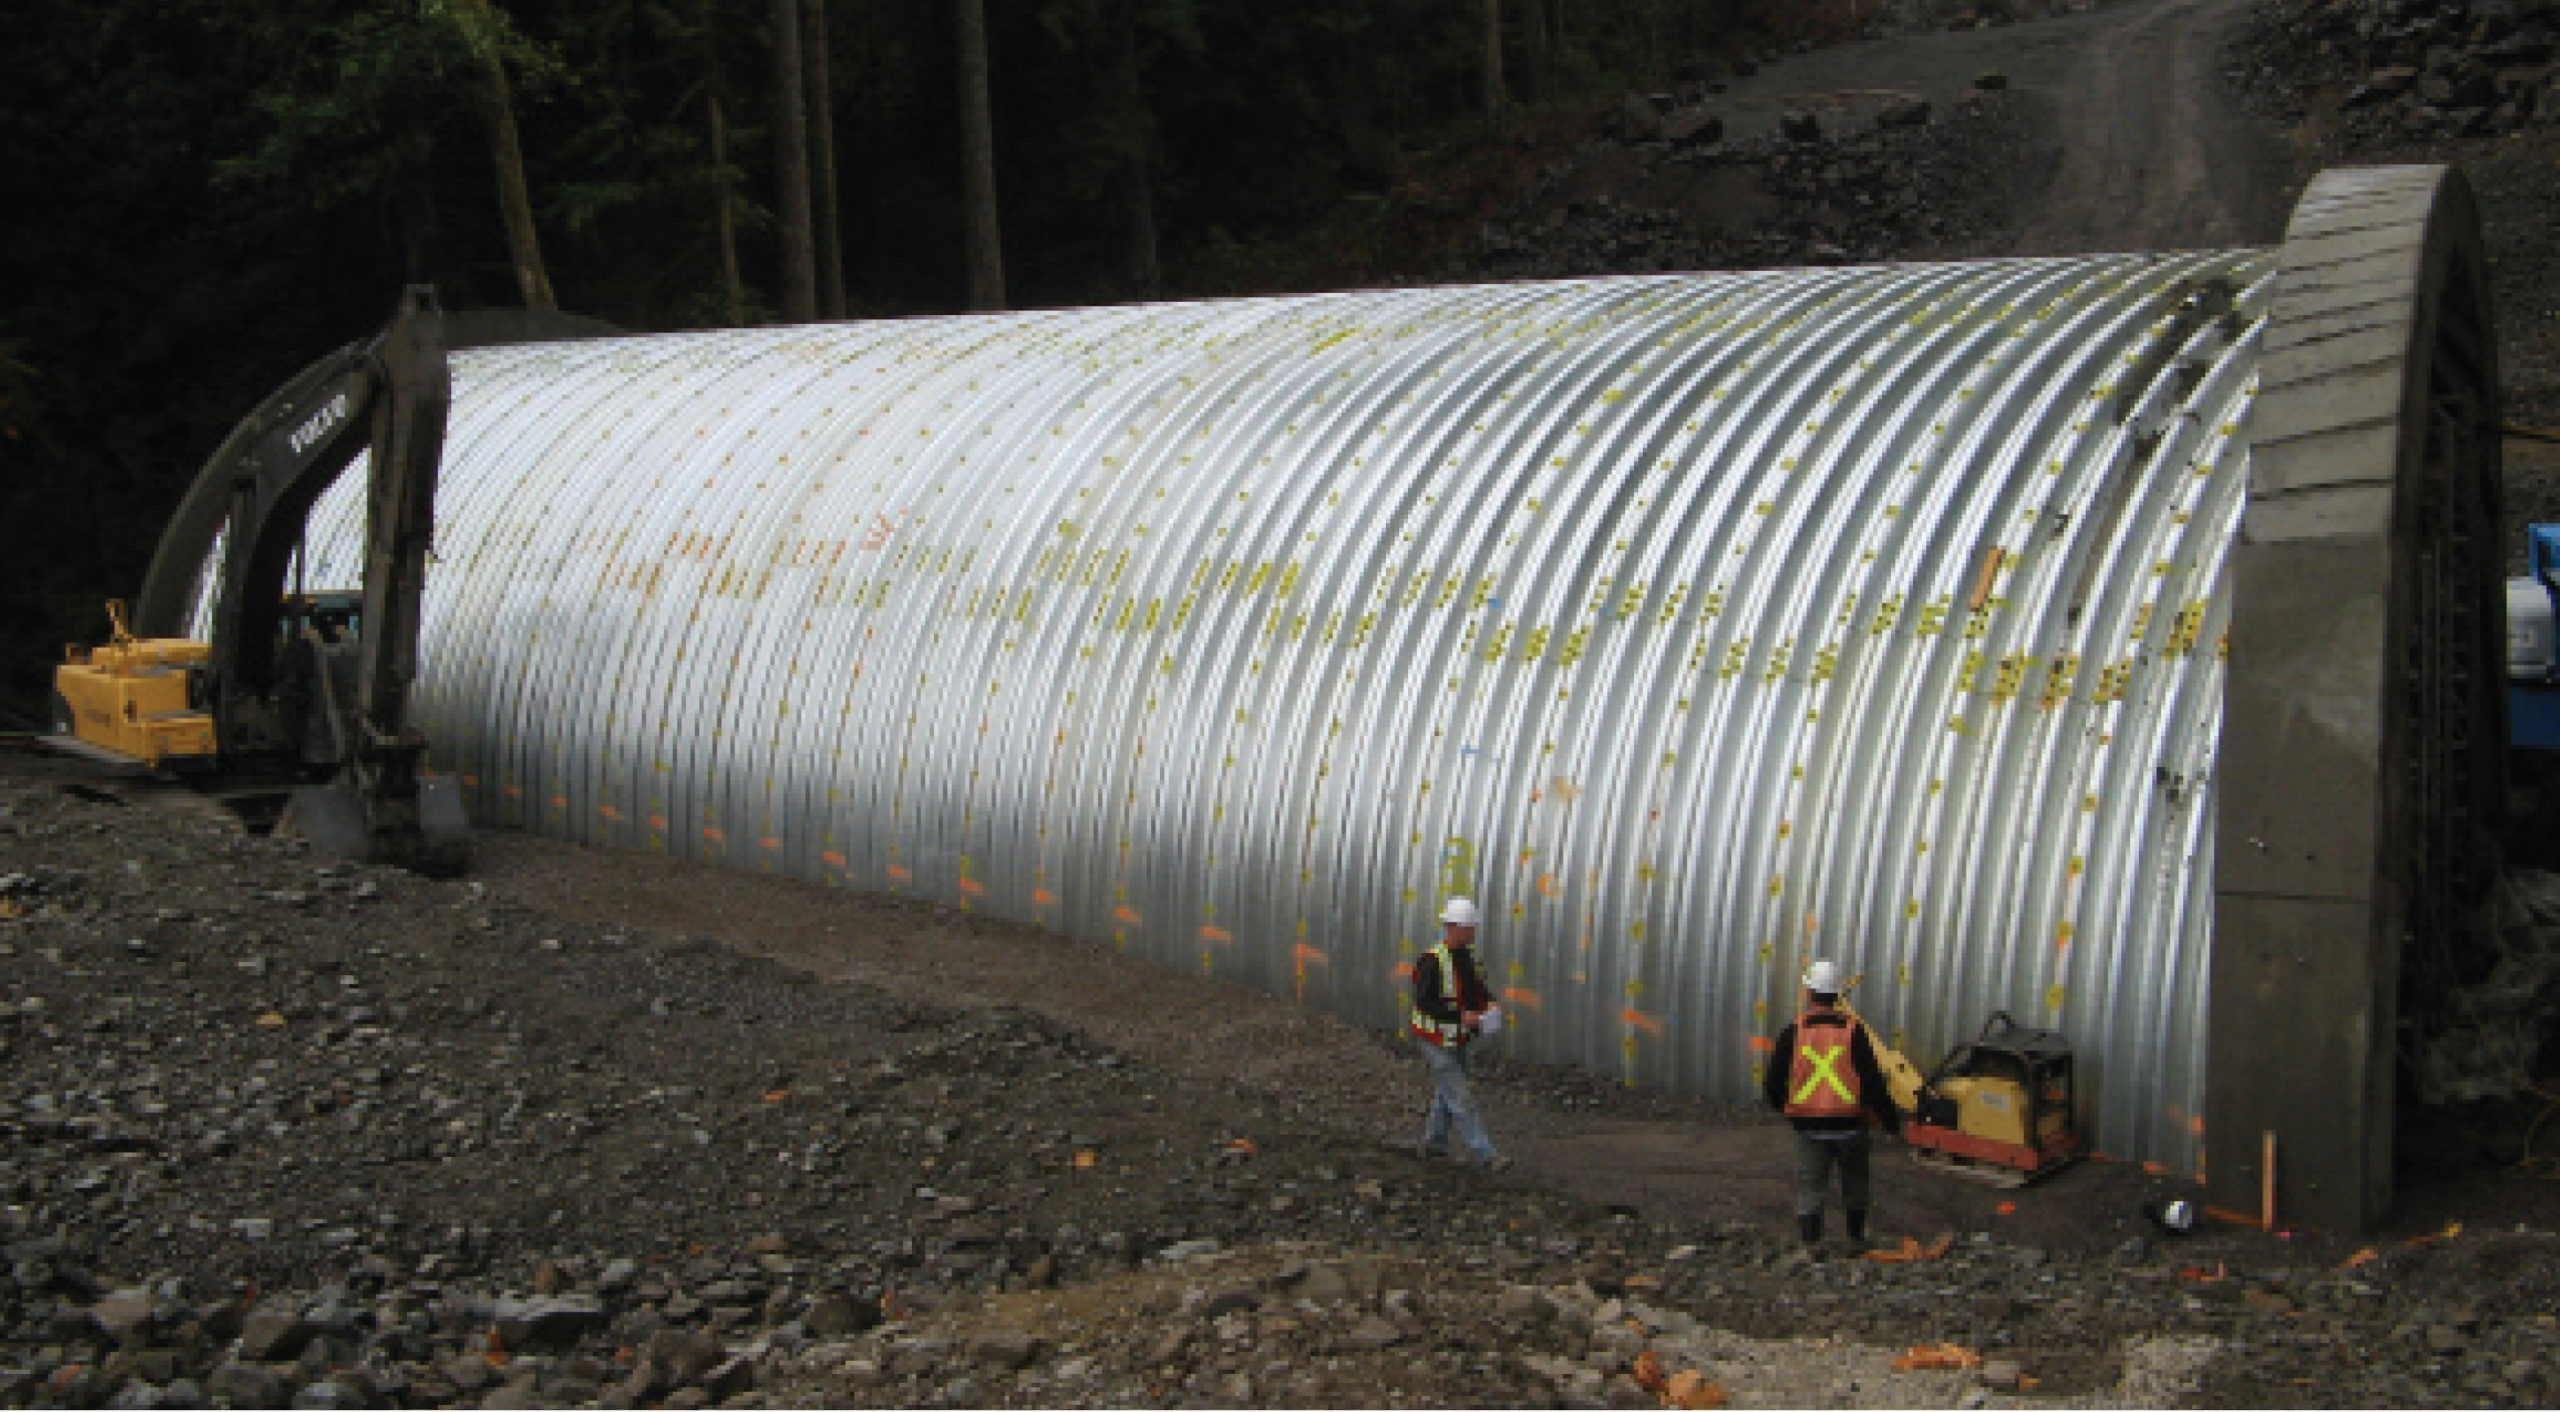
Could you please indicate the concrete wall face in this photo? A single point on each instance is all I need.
(2361, 778)
(1694, 625)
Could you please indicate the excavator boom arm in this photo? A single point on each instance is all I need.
(416, 389)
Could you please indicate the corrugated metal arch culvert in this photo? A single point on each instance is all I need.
(1696, 625)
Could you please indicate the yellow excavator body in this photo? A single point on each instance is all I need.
(130, 698)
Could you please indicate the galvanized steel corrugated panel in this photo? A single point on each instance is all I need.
(1696, 625)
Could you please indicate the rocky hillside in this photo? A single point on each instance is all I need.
(1666, 186)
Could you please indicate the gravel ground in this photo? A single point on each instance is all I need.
(592, 1128)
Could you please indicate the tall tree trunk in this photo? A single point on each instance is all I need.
(732, 288)
(515, 202)
(1137, 174)
(791, 152)
(982, 236)
(822, 129)
(1493, 99)
(1533, 29)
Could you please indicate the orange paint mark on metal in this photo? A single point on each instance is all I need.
(1403, 971)
(658, 822)
(1220, 934)
(972, 885)
(1128, 915)
(470, 781)
(610, 812)
(1764, 1044)
(515, 791)
(1548, 886)
(1043, 897)
(769, 843)
(899, 873)
(832, 858)
(1518, 995)
(714, 834)
(1650, 1024)
(559, 801)
(1304, 953)
(2005, 1208)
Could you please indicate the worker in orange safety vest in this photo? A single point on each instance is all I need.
(1823, 1076)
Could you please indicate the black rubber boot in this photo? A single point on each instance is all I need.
(1809, 1228)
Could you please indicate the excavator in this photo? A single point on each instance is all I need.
(294, 696)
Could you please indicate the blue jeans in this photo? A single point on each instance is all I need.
(1453, 1103)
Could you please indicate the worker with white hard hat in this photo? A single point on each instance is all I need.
(1822, 1073)
(1451, 1007)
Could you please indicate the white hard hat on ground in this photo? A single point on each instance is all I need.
(1822, 978)
(1459, 913)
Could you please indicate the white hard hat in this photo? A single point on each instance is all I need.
(1822, 978)
(1459, 913)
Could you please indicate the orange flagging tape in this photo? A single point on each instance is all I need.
(1947, 1357)
(1912, 1249)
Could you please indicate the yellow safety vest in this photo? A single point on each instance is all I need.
(1445, 1034)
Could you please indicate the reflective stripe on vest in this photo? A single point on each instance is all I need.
(1423, 1026)
(1822, 1082)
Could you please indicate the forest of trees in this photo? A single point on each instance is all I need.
(203, 195)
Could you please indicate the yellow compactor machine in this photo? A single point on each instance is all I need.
(1999, 1108)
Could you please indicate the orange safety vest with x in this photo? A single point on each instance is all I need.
(1822, 1082)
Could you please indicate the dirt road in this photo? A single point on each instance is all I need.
(1680, 1160)
(2144, 149)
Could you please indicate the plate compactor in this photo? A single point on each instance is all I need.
(1998, 1109)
